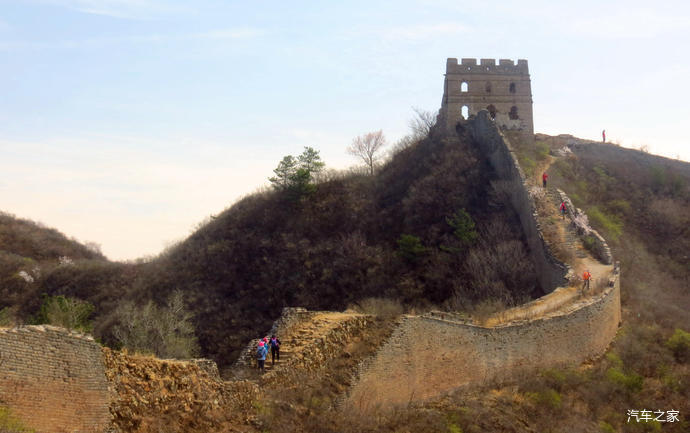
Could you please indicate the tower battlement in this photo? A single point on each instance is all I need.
(504, 66)
(502, 87)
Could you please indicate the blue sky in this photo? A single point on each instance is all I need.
(127, 122)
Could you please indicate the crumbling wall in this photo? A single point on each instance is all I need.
(591, 238)
(54, 379)
(151, 394)
(427, 356)
(550, 271)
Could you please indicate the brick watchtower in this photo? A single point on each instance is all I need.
(503, 90)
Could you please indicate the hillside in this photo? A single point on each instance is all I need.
(29, 250)
(340, 244)
(326, 249)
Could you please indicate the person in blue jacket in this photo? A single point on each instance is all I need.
(261, 352)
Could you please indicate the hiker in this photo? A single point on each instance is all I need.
(275, 349)
(603, 136)
(261, 352)
(543, 179)
(563, 209)
(586, 277)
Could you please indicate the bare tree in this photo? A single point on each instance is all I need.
(366, 147)
(422, 123)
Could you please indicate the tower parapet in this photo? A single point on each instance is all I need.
(502, 88)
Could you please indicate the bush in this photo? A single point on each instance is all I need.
(164, 331)
(631, 382)
(549, 398)
(70, 313)
(380, 307)
(10, 423)
(612, 224)
(410, 247)
(679, 343)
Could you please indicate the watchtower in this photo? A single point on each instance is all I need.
(503, 90)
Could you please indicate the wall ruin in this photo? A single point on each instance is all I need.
(428, 356)
(54, 379)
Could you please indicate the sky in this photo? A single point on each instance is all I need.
(128, 122)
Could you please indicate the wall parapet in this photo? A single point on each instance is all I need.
(413, 363)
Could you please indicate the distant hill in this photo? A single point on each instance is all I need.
(32, 240)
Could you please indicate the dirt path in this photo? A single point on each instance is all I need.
(560, 231)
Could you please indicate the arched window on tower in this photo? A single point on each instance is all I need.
(464, 86)
(512, 88)
(465, 111)
(492, 111)
(487, 87)
(513, 113)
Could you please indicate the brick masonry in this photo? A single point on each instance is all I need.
(53, 379)
(426, 356)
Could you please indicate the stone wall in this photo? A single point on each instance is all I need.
(152, 394)
(550, 271)
(427, 356)
(53, 379)
(595, 242)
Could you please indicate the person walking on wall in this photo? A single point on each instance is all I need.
(603, 136)
(563, 209)
(543, 179)
(586, 277)
(261, 352)
(275, 349)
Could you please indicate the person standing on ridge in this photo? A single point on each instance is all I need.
(544, 176)
(586, 277)
(563, 209)
(603, 136)
(261, 352)
(275, 349)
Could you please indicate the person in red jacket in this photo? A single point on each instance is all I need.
(586, 277)
(603, 136)
(563, 209)
(543, 179)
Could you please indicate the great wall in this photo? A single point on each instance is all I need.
(56, 380)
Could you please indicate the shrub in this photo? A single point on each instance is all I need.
(679, 343)
(9, 423)
(463, 227)
(612, 224)
(606, 427)
(67, 312)
(380, 307)
(165, 331)
(542, 150)
(631, 382)
(410, 247)
(549, 398)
